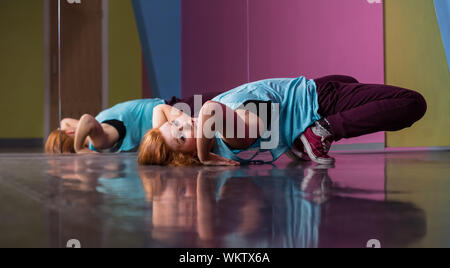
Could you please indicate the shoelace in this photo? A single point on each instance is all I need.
(326, 138)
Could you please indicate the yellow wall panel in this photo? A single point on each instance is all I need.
(21, 69)
(415, 59)
(125, 82)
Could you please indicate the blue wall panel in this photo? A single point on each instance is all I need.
(443, 15)
(159, 25)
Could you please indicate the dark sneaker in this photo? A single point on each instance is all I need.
(317, 142)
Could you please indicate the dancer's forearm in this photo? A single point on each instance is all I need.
(164, 113)
(84, 129)
(206, 134)
(205, 143)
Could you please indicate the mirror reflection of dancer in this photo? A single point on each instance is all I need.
(313, 114)
(118, 129)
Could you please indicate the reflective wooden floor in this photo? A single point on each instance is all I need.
(400, 199)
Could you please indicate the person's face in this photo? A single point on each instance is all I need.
(179, 135)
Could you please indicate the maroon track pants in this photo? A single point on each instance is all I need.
(354, 109)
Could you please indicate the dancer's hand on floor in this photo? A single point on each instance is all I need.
(86, 151)
(216, 160)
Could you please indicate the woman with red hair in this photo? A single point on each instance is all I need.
(302, 116)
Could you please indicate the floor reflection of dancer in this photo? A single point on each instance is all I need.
(187, 212)
(281, 208)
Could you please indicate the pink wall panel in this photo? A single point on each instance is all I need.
(214, 45)
(226, 43)
(315, 38)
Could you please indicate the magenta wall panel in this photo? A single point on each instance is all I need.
(214, 45)
(226, 43)
(315, 38)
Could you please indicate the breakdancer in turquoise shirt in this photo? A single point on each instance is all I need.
(298, 116)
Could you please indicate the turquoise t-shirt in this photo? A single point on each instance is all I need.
(137, 116)
(298, 109)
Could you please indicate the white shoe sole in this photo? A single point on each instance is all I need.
(309, 151)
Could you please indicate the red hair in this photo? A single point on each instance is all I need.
(154, 151)
(52, 146)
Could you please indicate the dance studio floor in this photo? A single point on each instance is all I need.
(399, 199)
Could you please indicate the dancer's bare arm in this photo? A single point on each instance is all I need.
(102, 136)
(165, 113)
(235, 131)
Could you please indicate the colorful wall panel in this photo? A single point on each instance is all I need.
(125, 57)
(415, 59)
(159, 25)
(227, 43)
(21, 69)
(443, 15)
(314, 38)
(214, 45)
